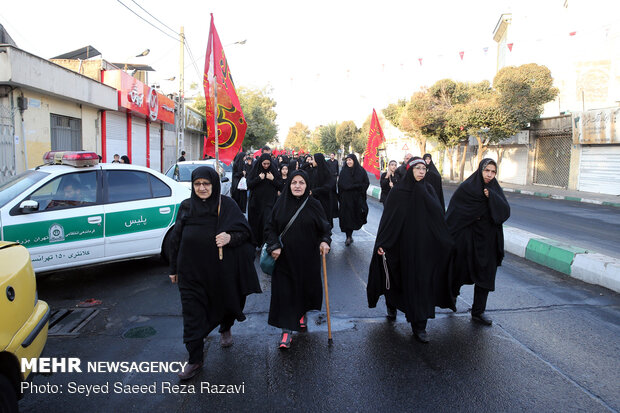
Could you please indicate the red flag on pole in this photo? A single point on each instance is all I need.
(510, 46)
(375, 138)
(221, 98)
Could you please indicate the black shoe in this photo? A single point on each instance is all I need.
(190, 371)
(482, 319)
(391, 314)
(421, 336)
(349, 241)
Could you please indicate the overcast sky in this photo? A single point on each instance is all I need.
(325, 61)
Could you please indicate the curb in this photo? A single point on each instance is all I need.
(560, 197)
(576, 262)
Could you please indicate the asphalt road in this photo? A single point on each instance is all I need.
(554, 346)
(593, 227)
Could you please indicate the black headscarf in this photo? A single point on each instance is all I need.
(125, 159)
(469, 203)
(323, 173)
(287, 203)
(238, 162)
(351, 177)
(257, 168)
(200, 207)
(433, 177)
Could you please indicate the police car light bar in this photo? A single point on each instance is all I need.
(77, 159)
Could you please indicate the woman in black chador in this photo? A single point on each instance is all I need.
(213, 290)
(238, 172)
(284, 175)
(352, 185)
(296, 280)
(320, 183)
(433, 177)
(388, 180)
(415, 243)
(475, 216)
(263, 183)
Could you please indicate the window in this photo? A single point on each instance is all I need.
(67, 191)
(66, 133)
(126, 186)
(159, 188)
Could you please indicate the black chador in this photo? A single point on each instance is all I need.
(238, 166)
(475, 222)
(263, 195)
(296, 282)
(321, 184)
(212, 291)
(417, 245)
(433, 177)
(352, 185)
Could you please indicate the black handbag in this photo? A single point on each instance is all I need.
(267, 262)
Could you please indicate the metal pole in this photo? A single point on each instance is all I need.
(181, 114)
(214, 83)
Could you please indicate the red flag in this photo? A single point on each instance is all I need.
(231, 125)
(510, 46)
(375, 138)
(461, 54)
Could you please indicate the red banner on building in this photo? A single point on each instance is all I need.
(371, 154)
(137, 97)
(220, 93)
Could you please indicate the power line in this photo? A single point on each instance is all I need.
(128, 8)
(165, 25)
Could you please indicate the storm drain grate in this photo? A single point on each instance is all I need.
(68, 322)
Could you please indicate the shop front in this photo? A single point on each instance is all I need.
(137, 128)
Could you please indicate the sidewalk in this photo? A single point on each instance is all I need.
(561, 193)
(585, 265)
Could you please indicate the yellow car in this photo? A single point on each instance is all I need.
(23, 324)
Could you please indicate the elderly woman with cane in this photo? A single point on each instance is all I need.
(296, 235)
(212, 260)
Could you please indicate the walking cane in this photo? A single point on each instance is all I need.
(220, 249)
(329, 322)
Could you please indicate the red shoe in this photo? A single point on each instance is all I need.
(285, 341)
(303, 323)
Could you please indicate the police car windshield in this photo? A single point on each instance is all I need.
(18, 184)
(185, 170)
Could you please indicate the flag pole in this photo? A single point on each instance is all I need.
(215, 131)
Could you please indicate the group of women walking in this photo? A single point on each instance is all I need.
(420, 260)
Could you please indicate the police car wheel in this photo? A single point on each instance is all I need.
(8, 397)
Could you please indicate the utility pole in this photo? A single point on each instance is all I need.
(181, 107)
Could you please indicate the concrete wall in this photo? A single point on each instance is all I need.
(34, 129)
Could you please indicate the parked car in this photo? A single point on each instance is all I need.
(73, 211)
(182, 172)
(23, 330)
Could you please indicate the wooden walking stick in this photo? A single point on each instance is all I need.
(329, 322)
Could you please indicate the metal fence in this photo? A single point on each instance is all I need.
(7, 143)
(552, 165)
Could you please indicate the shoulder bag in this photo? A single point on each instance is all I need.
(267, 262)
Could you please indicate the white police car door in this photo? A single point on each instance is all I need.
(139, 209)
(67, 228)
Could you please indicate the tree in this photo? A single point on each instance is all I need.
(329, 143)
(298, 137)
(258, 109)
(346, 132)
(393, 112)
(523, 91)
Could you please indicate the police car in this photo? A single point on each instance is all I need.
(73, 211)
(182, 172)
